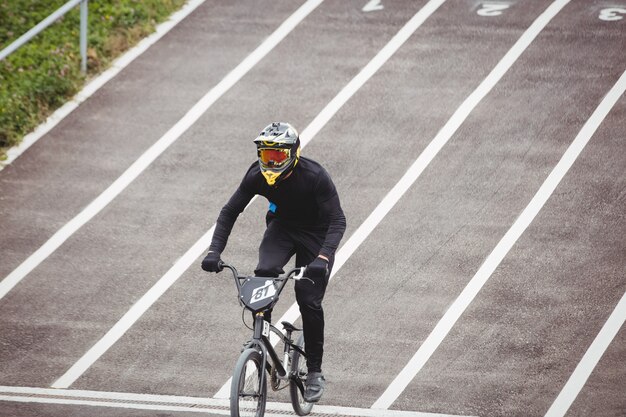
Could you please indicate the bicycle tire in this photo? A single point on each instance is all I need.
(299, 369)
(247, 394)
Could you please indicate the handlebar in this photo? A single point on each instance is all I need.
(296, 274)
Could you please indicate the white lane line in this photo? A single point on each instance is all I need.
(157, 149)
(369, 70)
(133, 314)
(107, 395)
(137, 310)
(588, 363)
(173, 403)
(325, 115)
(95, 84)
(451, 316)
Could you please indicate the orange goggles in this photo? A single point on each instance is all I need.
(273, 157)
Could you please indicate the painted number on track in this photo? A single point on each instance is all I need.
(611, 14)
(492, 9)
(372, 6)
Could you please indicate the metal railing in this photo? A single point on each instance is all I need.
(50, 20)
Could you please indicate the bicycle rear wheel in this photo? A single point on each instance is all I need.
(299, 369)
(247, 393)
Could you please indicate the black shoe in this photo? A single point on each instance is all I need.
(315, 384)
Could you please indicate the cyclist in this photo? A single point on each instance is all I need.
(304, 219)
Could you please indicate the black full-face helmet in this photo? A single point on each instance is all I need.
(278, 149)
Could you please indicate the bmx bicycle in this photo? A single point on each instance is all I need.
(248, 392)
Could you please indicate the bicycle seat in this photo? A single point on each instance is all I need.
(289, 327)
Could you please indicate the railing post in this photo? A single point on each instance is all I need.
(50, 20)
(83, 35)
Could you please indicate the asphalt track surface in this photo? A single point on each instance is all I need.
(518, 337)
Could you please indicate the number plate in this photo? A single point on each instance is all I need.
(266, 291)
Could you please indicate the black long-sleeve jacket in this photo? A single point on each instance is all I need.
(307, 199)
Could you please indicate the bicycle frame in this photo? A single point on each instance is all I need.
(261, 341)
(265, 295)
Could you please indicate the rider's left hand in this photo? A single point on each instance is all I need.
(318, 268)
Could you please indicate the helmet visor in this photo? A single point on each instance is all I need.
(274, 157)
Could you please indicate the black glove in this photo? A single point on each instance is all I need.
(317, 269)
(212, 262)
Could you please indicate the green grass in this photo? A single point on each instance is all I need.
(43, 74)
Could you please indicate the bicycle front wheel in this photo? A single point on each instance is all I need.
(298, 366)
(247, 393)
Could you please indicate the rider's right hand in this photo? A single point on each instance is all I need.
(212, 262)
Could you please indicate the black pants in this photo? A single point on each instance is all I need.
(279, 244)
